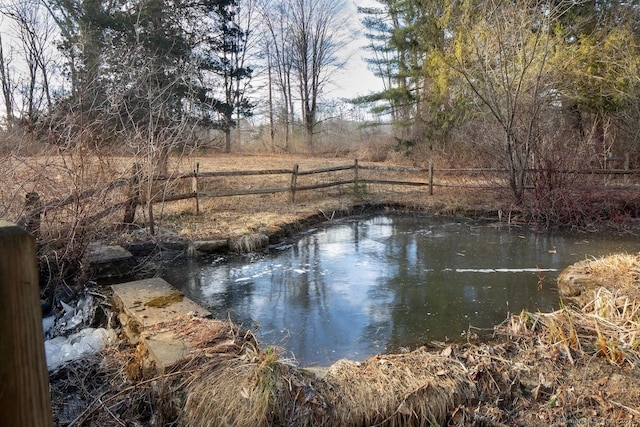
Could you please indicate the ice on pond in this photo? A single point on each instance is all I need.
(501, 270)
(60, 350)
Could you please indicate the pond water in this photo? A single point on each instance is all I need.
(356, 288)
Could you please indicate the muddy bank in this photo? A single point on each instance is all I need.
(140, 244)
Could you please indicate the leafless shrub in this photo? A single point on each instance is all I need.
(568, 190)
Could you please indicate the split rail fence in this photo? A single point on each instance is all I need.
(413, 176)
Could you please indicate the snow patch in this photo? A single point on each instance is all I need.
(60, 350)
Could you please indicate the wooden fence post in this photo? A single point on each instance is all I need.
(152, 222)
(194, 186)
(626, 161)
(24, 383)
(294, 181)
(431, 177)
(355, 172)
(134, 195)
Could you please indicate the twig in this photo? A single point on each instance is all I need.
(92, 407)
(118, 420)
(620, 405)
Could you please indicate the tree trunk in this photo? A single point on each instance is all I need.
(291, 118)
(272, 131)
(227, 139)
(6, 88)
(308, 124)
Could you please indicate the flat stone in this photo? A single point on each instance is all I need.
(165, 350)
(210, 246)
(150, 302)
(318, 371)
(134, 298)
(102, 254)
(109, 261)
(142, 248)
(173, 245)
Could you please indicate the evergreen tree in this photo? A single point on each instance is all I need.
(223, 57)
(406, 40)
(148, 65)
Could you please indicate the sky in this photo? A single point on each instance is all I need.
(356, 79)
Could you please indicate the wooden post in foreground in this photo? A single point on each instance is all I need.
(431, 177)
(24, 383)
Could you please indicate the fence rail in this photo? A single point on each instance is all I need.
(424, 177)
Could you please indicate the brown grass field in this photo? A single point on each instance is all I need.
(57, 177)
(236, 215)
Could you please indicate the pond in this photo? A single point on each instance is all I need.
(360, 287)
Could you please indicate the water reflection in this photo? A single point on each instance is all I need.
(359, 288)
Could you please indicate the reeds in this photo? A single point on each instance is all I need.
(417, 388)
(260, 389)
(607, 326)
(257, 389)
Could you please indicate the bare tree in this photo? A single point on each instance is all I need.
(318, 32)
(35, 33)
(502, 53)
(303, 45)
(7, 91)
(245, 21)
(277, 45)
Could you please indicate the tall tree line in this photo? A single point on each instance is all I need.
(539, 76)
(302, 43)
(145, 65)
(149, 66)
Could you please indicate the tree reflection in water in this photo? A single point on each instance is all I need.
(356, 288)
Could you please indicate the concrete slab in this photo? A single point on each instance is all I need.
(108, 261)
(165, 350)
(210, 246)
(101, 254)
(152, 301)
(146, 303)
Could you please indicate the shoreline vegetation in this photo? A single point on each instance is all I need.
(574, 366)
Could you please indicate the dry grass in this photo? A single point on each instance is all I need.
(621, 271)
(253, 387)
(57, 176)
(607, 326)
(618, 272)
(416, 388)
(258, 389)
(239, 215)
